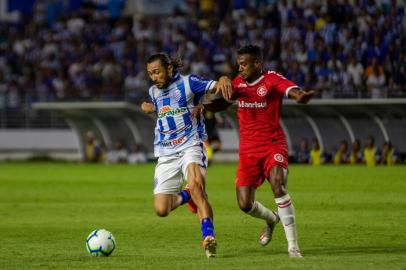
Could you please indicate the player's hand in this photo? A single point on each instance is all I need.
(304, 97)
(197, 111)
(147, 107)
(224, 86)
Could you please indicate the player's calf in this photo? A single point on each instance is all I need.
(286, 213)
(190, 203)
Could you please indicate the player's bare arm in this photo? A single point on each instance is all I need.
(147, 107)
(301, 96)
(224, 87)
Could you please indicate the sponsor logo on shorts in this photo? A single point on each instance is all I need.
(278, 157)
(261, 91)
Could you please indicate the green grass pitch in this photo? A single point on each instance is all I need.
(347, 218)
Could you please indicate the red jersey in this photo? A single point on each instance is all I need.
(259, 110)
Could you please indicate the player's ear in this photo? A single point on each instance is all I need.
(258, 63)
(170, 71)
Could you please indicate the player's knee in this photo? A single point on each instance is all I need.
(161, 211)
(245, 205)
(278, 187)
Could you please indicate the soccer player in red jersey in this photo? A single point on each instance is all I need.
(263, 151)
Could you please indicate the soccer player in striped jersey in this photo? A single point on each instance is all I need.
(179, 137)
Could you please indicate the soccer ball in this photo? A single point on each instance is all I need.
(100, 243)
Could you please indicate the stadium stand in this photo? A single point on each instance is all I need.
(95, 51)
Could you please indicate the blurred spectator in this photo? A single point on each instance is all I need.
(376, 82)
(3, 92)
(92, 54)
(370, 152)
(135, 85)
(324, 88)
(316, 153)
(117, 155)
(341, 156)
(388, 156)
(93, 151)
(60, 85)
(303, 154)
(355, 72)
(356, 155)
(137, 155)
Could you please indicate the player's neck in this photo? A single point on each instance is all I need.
(255, 76)
(170, 80)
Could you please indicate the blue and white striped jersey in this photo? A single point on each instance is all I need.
(175, 129)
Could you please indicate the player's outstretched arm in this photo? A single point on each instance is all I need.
(301, 96)
(217, 105)
(224, 87)
(147, 107)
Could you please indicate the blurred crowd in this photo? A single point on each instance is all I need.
(94, 152)
(340, 48)
(370, 155)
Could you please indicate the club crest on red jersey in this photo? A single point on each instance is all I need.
(261, 91)
(278, 157)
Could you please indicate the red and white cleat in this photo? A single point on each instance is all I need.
(267, 231)
(294, 252)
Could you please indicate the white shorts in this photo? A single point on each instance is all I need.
(171, 171)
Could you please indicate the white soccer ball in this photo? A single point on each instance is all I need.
(100, 243)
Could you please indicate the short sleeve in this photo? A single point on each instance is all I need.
(280, 83)
(199, 85)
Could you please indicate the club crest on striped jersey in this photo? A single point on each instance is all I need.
(176, 95)
(261, 91)
(278, 157)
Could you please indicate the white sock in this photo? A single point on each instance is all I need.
(260, 211)
(286, 213)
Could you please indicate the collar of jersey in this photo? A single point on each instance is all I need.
(174, 79)
(256, 81)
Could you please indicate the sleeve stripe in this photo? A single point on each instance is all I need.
(290, 88)
(210, 85)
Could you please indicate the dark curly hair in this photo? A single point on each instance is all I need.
(166, 60)
(253, 50)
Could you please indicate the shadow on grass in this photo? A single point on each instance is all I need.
(319, 251)
(251, 252)
(355, 250)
